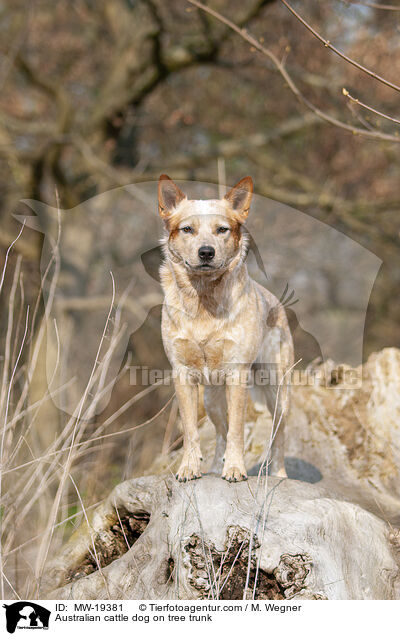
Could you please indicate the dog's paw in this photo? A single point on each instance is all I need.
(233, 473)
(189, 470)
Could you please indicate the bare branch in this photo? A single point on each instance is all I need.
(372, 110)
(339, 53)
(372, 134)
(49, 87)
(8, 60)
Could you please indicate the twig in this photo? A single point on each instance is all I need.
(57, 525)
(330, 46)
(3, 273)
(169, 428)
(372, 110)
(96, 556)
(99, 437)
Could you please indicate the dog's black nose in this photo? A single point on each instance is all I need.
(206, 253)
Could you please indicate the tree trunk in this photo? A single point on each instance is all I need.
(268, 539)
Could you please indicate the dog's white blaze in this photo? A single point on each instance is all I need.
(202, 208)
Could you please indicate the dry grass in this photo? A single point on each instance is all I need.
(44, 486)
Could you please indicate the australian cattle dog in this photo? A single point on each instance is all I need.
(220, 328)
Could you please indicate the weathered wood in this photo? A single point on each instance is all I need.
(347, 438)
(352, 435)
(205, 538)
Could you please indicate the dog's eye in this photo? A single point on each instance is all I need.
(222, 230)
(187, 229)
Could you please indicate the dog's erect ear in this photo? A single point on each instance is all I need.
(240, 197)
(169, 195)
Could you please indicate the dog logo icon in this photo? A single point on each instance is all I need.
(26, 615)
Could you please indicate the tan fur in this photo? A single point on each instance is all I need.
(217, 323)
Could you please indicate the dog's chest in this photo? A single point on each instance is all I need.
(204, 338)
(208, 346)
(203, 356)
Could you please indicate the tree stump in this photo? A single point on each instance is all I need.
(207, 539)
(352, 435)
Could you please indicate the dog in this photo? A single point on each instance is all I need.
(220, 327)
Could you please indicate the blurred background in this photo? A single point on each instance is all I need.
(99, 95)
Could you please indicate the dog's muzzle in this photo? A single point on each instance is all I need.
(206, 253)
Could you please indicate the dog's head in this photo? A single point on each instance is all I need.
(204, 235)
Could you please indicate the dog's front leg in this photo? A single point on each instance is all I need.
(187, 396)
(234, 468)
